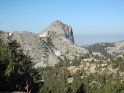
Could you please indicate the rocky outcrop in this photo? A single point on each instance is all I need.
(48, 47)
(61, 36)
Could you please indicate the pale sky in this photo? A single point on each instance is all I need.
(87, 17)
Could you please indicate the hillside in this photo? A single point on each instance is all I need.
(87, 74)
(107, 49)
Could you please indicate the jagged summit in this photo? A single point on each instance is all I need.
(57, 23)
(59, 30)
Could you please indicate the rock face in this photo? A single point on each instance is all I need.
(48, 47)
(58, 30)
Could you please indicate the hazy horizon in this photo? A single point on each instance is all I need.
(84, 40)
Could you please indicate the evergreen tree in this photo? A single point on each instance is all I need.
(16, 69)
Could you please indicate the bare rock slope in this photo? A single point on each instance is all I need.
(48, 47)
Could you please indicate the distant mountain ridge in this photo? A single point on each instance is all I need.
(107, 49)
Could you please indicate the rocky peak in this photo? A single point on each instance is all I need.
(57, 23)
(59, 30)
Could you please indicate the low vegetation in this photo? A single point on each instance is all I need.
(59, 79)
(18, 74)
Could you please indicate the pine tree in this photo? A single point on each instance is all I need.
(16, 69)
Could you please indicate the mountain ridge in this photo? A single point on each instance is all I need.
(106, 48)
(56, 43)
(48, 47)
